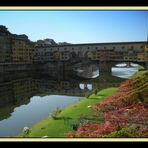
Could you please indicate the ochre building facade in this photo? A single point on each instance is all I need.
(20, 50)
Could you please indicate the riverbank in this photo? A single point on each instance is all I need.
(125, 114)
(70, 117)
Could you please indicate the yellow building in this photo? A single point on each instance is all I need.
(64, 56)
(56, 55)
(146, 53)
(14, 48)
(22, 50)
(143, 56)
(2, 54)
(140, 57)
(5, 45)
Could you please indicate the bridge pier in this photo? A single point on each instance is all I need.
(128, 64)
(105, 67)
(146, 65)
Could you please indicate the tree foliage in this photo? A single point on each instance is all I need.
(125, 113)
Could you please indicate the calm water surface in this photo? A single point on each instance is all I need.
(27, 99)
(36, 110)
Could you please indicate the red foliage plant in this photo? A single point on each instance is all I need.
(93, 130)
(127, 107)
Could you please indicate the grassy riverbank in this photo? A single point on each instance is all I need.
(69, 116)
(139, 74)
(72, 114)
(124, 113)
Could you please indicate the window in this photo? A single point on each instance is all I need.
(123, 47)
(96, 47)
(141, 46)
(88, 48)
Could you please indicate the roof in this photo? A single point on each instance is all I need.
(91, 44)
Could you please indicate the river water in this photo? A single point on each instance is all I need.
(26, 99)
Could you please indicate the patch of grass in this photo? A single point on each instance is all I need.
(69, 116)
(140, 68)
(107, 92)
(139, 74)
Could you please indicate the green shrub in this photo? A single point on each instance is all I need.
(87, 95)
(95, 91)
(55, 113)
(123, 133)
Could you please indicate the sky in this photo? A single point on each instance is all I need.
(78, 26)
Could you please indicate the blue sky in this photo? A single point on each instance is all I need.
(78, 26)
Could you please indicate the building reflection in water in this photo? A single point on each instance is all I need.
(17, 89)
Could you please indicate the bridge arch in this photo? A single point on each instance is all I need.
(128, 64)
(84, 86)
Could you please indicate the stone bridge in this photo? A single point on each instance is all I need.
(106, 55)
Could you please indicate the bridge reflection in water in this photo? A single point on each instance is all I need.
(17, 89)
